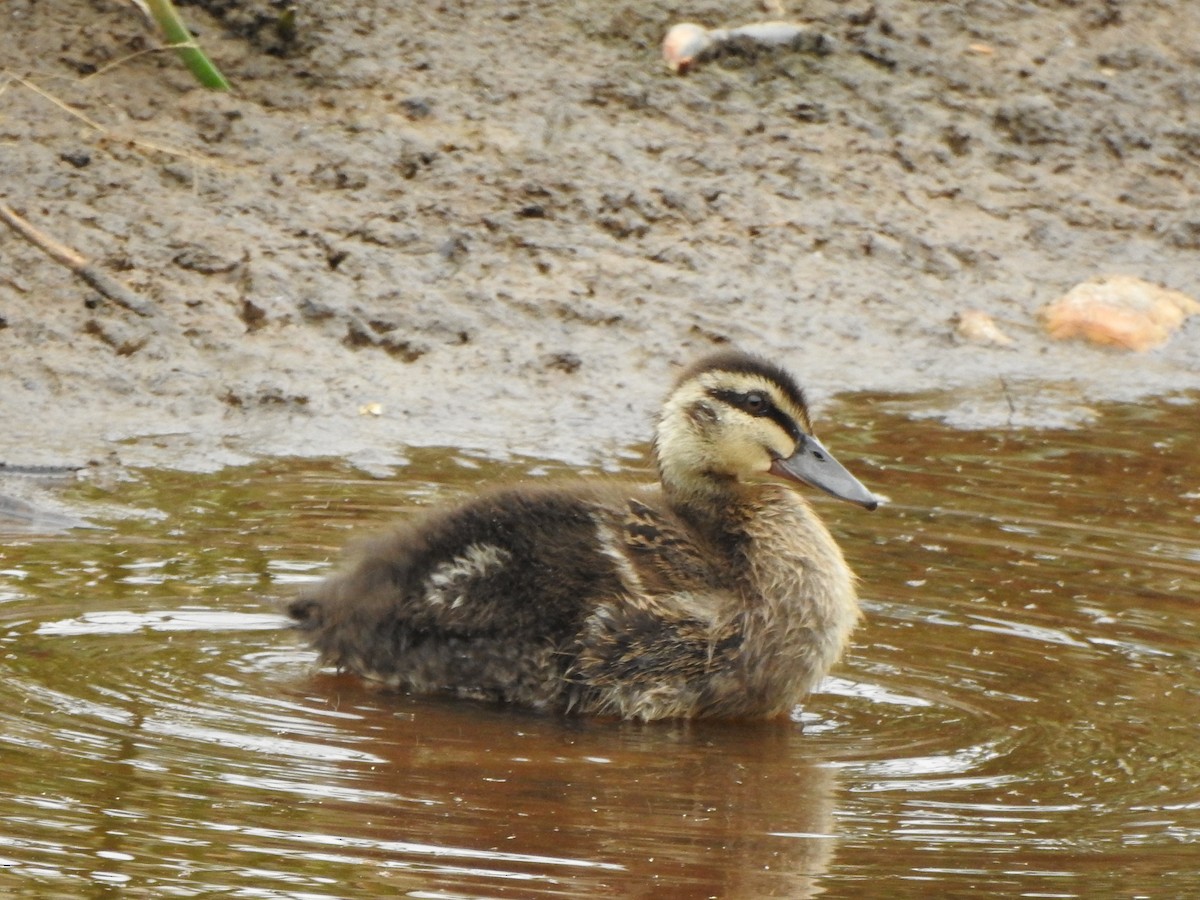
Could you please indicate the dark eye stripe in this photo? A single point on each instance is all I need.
(784, 421)
(768, 409)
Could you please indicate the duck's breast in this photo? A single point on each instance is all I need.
(802, 603)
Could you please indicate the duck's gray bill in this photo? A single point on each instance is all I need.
(813, 464)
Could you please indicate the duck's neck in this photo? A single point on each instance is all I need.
(713, 505)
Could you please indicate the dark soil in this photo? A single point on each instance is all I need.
(505, 223)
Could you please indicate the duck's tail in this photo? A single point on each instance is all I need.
(306, 613)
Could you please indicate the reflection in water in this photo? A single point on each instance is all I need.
(547, 798)
(1017, 716)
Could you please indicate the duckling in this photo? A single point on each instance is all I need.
(716, 593)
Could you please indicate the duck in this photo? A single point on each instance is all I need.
(716, 593)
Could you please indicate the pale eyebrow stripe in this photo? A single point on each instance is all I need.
(772, 412)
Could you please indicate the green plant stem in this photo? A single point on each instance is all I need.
(181, 39)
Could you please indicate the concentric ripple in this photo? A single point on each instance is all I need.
(1017, 715)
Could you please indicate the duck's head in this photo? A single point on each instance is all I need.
(733, 417)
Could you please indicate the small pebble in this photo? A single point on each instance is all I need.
(978, 327)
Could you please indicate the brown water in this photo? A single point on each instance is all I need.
(1018, 717)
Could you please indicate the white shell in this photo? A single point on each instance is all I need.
(683, 43)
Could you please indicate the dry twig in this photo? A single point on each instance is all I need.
(77, 263)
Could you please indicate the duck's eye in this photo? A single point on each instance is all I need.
(755, 403)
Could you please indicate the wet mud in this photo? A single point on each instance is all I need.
(427, 224)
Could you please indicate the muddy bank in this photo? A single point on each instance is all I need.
(423, 224)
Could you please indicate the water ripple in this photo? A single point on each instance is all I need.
(1016, 714)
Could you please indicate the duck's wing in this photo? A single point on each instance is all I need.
(653, 659)
(663, 554)
(659, 647)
